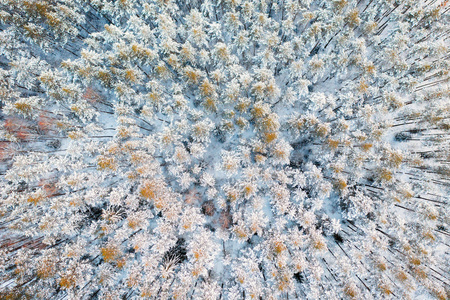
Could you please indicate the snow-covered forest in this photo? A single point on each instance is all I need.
(224, 149)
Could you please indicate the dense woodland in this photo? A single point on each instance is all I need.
(224, 149)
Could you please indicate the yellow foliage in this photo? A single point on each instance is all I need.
(377, 133)
(149, 190)
(132, 175)
(222, 51)
(415, 261)
(75, 135)
(241, 122)
(319, 244)
(340, 4)
(46, 269)
(133, 279)
(367, 146)
(299, 123)
(240, 232)
(85, 72)
(316, 64)
(232, 195)
(351, 290)
(131, 75)
(420, 272)
(363, 87)
(35, 199)
(385, 289)
(431, 215)
(36, 7)
(382, 266)
(370, 27)
(121, 262)
(279, 246)
(123, 131)
(162, 71)
(337, 168)
(23, 107)
(385, 174)
(407, 193)
(259, 111)
(207, 88)
(402, 275)
(248, 190)
(333, 144)
(67, 282)
(322, 130)
(33, 32)
(270, 136)
(146, 292)
(104, 162)
(395, 159)
(370, 68)
(270, 123)
(242, 106)
(429, 235)
(110, 253)
(53, 20)
(210, 104)
(133, 223)
(104, 77)
(441, 294)
(193, 76)
(283, 281)
(341, 184)
(260, 158)
(173, 61)
(353, 18)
